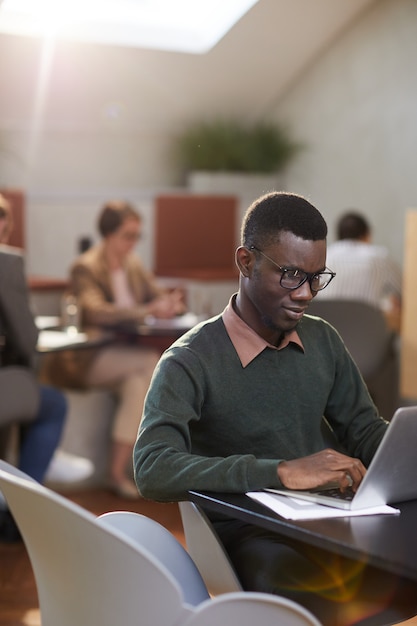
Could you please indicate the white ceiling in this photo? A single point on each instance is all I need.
(183, 25)
(79, 86)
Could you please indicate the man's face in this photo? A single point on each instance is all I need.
(276, 310)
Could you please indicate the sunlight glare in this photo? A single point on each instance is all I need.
(183, 25)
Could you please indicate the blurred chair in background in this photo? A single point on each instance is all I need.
(38, 410)
(364, 271)
(371, 343)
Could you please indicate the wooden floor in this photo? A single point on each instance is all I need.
(18, 599)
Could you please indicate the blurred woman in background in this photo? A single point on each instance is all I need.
(113, 289)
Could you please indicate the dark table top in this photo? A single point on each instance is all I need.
(173, 327)
(388, 542)
(53, 338)
(56, 340)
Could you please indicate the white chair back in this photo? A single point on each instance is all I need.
(122, 568)
(249, 609)
(207, 551)
(88, 573)
(157, 540)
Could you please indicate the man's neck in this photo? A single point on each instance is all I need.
(273, 336)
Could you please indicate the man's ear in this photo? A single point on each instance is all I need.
(244, 260)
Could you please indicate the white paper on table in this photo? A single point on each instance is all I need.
(186, 321)
(58, 339)
(47, 321)
(292, 508)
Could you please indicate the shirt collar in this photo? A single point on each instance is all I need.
(247, 343)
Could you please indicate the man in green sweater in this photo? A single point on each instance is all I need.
(237, 404)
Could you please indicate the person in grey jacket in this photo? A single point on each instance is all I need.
(41, 427)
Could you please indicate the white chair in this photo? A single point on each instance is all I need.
(207, 551)
(249, 609)
(243, 608)
(98, 572)
(86, 572)
(15, 471)
(162, 544)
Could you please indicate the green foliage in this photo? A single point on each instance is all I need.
(230, 146)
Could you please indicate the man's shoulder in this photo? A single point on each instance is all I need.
(379, 251)
(210, 327)
(205, 347)
(315, 326)
(310, 319)
(208, 332)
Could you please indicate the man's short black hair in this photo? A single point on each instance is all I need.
(279, 211)
(353, 225)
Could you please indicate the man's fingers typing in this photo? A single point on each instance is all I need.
(327, 466)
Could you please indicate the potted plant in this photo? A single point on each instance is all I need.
(228, 148)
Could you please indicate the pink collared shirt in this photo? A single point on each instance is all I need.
(247, 343)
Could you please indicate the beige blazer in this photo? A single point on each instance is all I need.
(91, 283)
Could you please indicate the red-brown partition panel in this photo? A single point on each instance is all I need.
(195, 236)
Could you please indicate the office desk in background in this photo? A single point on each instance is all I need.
(155, 333)
(158, 333)
(387, 542)
(58, 340)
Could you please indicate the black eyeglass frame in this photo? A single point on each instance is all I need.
(307, 276)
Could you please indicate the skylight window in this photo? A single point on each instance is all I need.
(193, 26)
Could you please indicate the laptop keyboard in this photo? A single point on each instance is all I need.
(336, 493)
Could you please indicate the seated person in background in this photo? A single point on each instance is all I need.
(364, 270)
(236, 405)
(113, 288)
(39, 437)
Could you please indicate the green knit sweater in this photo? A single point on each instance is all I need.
(210, 424)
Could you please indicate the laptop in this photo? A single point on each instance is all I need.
(391, 476)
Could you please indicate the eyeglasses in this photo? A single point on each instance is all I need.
(131, 236)
(292, 277)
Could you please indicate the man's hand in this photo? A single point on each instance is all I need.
(316, 470)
